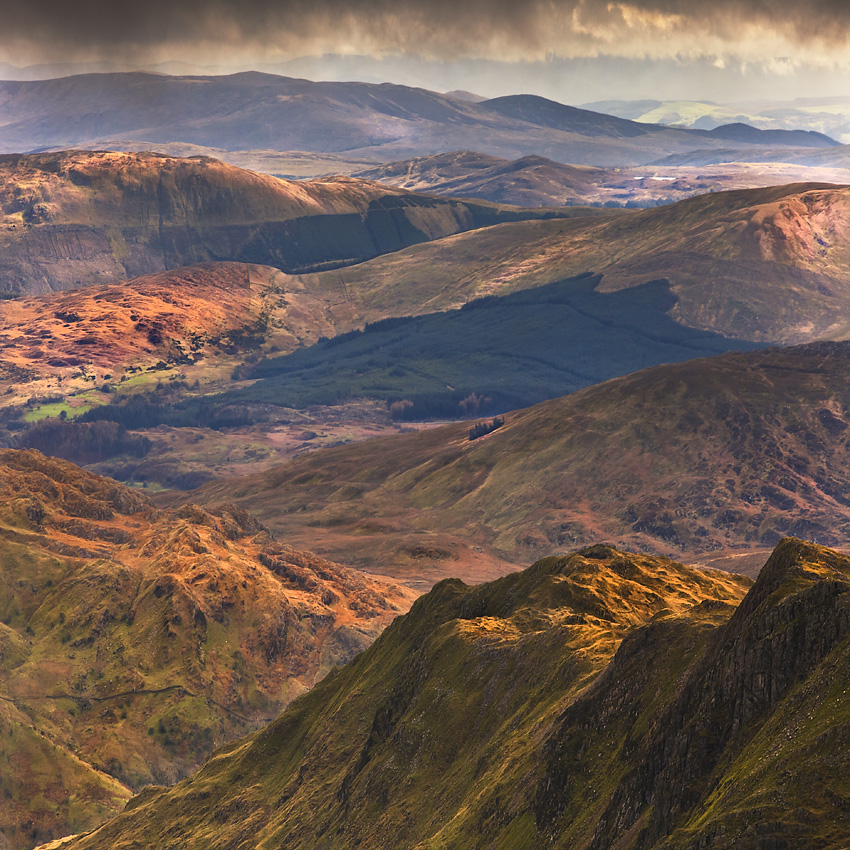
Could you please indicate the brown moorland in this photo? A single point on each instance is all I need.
(767, 265)
(707, 459)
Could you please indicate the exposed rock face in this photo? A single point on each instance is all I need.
(74, 218)
(133, 641)
(601, 700)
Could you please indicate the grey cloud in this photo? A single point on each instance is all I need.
(438, 28)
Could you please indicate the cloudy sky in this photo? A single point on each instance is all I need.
(724, 47)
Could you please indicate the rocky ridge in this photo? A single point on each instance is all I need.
(599, 700)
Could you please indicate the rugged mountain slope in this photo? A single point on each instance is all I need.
(537, 181)
(133, 641)
(600, 700)
(376, 122)
(700, 458)
(768, 265)
(431, 736)
(75, 218)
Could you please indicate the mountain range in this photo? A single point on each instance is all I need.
(597, 700)
(208, 669)
(378, 123)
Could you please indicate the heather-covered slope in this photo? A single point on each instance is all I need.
(134, 641)
(592, 702)
(440, 734)
(722, 454)
(74, 218)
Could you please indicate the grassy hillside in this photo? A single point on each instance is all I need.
(700, 458)
(75, 218)
(134, 641)
(767, 265)
(599, 700)
(492, 355)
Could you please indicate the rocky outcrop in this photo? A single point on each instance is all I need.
(794, 617)
(133, 640)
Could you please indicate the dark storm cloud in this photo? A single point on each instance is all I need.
(435, 28)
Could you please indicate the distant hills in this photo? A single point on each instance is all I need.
(597, 700)
(233, 344)
(537, 181)
(767, 265)
(829, 115)
(251, 111)
(134, 641)
(701, 460)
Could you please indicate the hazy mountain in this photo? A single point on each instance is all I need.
(829, 115)
(75, 218)
(377, 122)
(559, 707)
(133, 641)
(699, 459)
(537, 181)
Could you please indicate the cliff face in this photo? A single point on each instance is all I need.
(134, 641)
(600, 700)
(74, 218)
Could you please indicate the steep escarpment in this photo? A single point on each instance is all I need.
(73, 218)
(601, 700)
(134, 641)
(751, 750)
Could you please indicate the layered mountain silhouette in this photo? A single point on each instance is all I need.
(598, 700)
(75, 218)
(133, 641)
(706, 458)
(375, 122)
